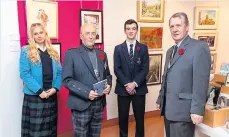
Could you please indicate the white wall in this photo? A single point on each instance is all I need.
(11, 95)
(116, 12)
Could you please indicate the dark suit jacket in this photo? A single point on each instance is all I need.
(79, 77)
(122, 68)
(185, 82)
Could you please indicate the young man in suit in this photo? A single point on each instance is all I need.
(83, 67)
(131, 65)
(184, 87)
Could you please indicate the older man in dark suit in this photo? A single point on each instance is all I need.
(83, 67)
(185, 80)
(131, 65)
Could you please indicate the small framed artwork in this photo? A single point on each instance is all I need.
(206, 18)
(152, 37)
(209, 38)
(155, 67)
(213, 62)
(93, 17)
(46, 13)
(57, 47)
(150, 10)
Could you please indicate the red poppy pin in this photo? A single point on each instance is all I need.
(138, 48)
(101, 56)
(181, 51)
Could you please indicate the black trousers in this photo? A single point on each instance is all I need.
(138, 104)
(179, 129)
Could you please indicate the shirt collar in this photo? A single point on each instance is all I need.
(39, 47)
(128, 43)
(181, 41)
(88, 49)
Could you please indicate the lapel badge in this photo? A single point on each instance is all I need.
(139, 61)
(105, 65)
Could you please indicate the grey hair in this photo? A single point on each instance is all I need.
(180, 15)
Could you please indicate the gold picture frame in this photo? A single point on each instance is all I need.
(150, 10)
(45, 13)
(206, 18)
(211, 38)
(213, 62)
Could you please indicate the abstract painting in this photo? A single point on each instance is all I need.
(152, 37)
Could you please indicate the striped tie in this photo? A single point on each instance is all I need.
(131, 56)
(174, 53)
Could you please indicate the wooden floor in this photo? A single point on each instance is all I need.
(154, 127)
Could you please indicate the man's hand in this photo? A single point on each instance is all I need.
(196, 119)
(92, 95)
(51, 91)
(158, 106)
(44, 95)
(107, 89)
(130, 88)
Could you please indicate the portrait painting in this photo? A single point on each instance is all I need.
(209, 38)
(93, 17)
(45, 13)
(155, 66)
(206, 18)
(152, 37)
(150, 10)
(213, 62)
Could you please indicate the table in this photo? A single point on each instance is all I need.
(203, 130)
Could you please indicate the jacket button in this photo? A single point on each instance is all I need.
(74, 85)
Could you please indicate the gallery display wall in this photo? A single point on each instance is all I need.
(114, 32)
(63, 20)
(13, 32)
(115, 13)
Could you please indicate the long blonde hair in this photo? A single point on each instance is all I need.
(33, 52)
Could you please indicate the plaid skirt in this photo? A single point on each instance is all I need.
(39, 116)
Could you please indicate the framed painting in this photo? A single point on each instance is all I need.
(57, 47)
(150, 10)
(155, 67)
(209, 37)
(213, 62)
(152, 37)
(45, 13)
(206, 18)
(93, 17)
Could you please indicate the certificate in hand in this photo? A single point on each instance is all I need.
(99, 86)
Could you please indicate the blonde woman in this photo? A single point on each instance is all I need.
(40, 70)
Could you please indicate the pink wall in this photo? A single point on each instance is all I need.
(69, 30)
